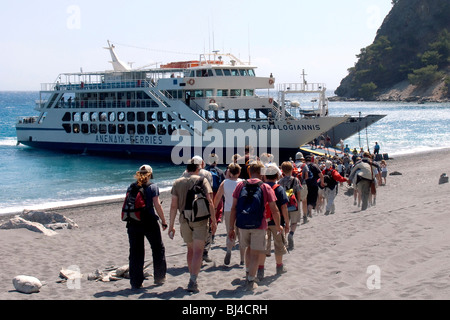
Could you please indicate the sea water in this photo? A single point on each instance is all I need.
(38, 179)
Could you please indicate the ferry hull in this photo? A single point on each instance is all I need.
(352, 126)
(157, 153)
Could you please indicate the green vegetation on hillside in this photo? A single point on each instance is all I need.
(412, 44)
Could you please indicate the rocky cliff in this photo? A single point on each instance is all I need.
(409, 58)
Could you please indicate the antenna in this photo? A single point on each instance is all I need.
(249, 57)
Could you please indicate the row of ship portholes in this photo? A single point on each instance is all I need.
(140, 129)
(121, 116)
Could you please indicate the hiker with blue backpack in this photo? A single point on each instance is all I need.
(248, 212)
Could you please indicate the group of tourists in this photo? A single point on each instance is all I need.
(257, 200)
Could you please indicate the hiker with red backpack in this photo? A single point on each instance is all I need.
(331, 179)
(142, 223)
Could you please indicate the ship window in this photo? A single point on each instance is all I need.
(243, 72)
(84, 128)
(121, 128)
(162, 130)
(219, 72)
(112, 116)
(85, 116)
(94, 128)
(141, 129)
(66, 117)
(112, 128)
(209, 93)
(235, 92)
(249, 92)
(94, 116)
(170, 118)
(67, 127)
(151, 129)
(222, 92)
(103, 116)
(131, 129)
(234, 72)
(150, 116)
(76, 128)
(121, 116)
(172, 129)
(141, 116)
(76, 117)
(192, 74)
(102, 128)
(131, 116)
(198, 93)
(226, 72)
(161, 116)
(251, 72)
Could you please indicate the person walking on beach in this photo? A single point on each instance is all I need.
(272, 173)
(148, 228)
(304, 175)
(363, 172)
(225, 192)
(331, 180)
(384, 171)
(194, 233)
(313, 184)
(292, 184)
(208, 175)
(253, 237)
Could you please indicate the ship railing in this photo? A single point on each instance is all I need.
(95, 86)
(129, 103)
(27, 120)
(301, 87)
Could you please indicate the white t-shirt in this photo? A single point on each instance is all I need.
(228, 189)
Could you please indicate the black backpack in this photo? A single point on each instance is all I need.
(134, 205)
(196, 207)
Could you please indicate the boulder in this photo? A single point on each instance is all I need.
(27, 284)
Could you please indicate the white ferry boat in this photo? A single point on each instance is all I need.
(170, 112)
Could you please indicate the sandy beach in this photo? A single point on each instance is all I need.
(397, 249)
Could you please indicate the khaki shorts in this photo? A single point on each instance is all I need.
(191, 231)
(304, 193)
(294, 216)
(253, 238)
(280, 248)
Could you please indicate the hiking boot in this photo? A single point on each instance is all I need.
(305, 219)
(206, 258)
(281, 269)
(251, 285)
(260, 274)
(227, 259)
(327, 212)
(192, 287)
(291, 241)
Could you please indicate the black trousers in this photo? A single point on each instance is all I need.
(137, 232)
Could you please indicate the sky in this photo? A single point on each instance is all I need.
(41, 39)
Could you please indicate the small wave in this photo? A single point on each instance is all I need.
(8, 142)
(57, 204)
